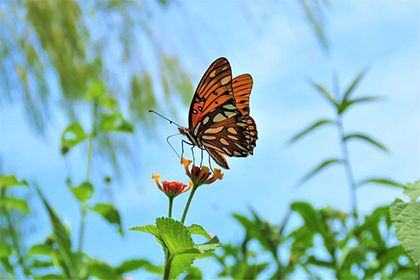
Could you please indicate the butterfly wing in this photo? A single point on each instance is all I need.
(215, 119)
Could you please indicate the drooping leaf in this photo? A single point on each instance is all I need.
(405, 217)
(102, 270)
(109, 213)
(197, 229)
(312, 127)
(7, 181)
(382, 181)
(325, 93)
(320, 167)
(412, 190)
(83, 192)
(132, 265)
(73, 135)
(209, 246)
(353, 85)
(366, 139)
(15, 203)
(41, 249)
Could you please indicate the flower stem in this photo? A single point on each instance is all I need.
(188, 204)
(347, 166)
(171, 200)
(168, 263)
(82, 229)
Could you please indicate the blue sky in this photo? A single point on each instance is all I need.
(273, 43)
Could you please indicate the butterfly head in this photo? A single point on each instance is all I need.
(183, 130)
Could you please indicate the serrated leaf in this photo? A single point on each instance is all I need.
(181, 263)
(175, 235)
(325, 93)
(383, 181)
(73, 135)
(209, 246)
(320, 167)
(412, 190)
(96, 90)
(310, 128)
(406, 219)
(8, 181)
(83, 192)
(152, 229)
(346, 105)
(109, 213)
(197, 229)
(353, 85)
(366, 139)
(41, 249)
(15, 203)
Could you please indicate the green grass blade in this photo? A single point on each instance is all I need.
(348, 103)
(325, 93)
(366, 139)
(382, 181)
(309, 129)
(320, 167)
(353, 85)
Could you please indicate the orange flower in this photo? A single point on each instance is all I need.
(171, 189)
(200, 176)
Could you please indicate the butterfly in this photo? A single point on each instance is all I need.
(219, 120)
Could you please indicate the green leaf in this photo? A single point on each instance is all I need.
(412, 190)
(353, 85)
(325, 93)
(383, 181)
(49, 277)
(115, 122)
(346, 104)
(4, 249)
(15, 203)
(41, 249)
(309, 129)
(109, 102)
(197, 229)
(209, 246)
(354, 255)
(72, 136)
(7, 181)
(71, 261)
(102, 270)
(315, 261)
(193, 273)
(83, 192)
(406, 219)
(96, 90)
(152, 229)
(132, 265)
(109, 213)
(365, 138)
(320, 167)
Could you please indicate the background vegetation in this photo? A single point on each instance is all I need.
(95, 68)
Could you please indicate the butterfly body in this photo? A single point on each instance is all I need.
(219, 119)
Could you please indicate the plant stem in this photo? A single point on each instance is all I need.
(188, 204)
(347, 166)
(168, 263)
(171, 200)
(82, 229)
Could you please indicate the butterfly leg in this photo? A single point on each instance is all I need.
(211, 168)
(202, 155)
(182, 146)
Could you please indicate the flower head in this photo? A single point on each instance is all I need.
(171, 189)
(200, 176)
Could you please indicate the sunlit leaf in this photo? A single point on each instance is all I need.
(15, 203)
(382, 181)
(109, 102)
(132, 265)
(49, 277)
(321, 167)
(209, 246)
(193, 273)
(115, 122)
(96, 91)
(7, 181)
(109, 213)
(197, 229)
(325, 93)
(353, 85)
(102, 270)
(312, 127)
(412, 190)
(41, 249)
(73, 135)
(366, 139)
(83, 192)
(405, 217)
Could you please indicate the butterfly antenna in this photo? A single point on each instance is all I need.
(167, 140)
(170, 121)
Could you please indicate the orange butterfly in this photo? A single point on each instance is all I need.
(219, 120)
